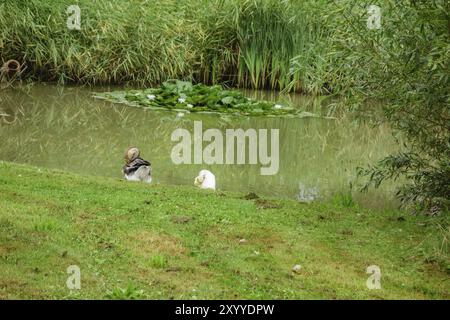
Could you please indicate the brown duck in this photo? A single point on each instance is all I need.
(136, 168)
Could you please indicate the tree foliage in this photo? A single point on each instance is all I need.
(404, 65)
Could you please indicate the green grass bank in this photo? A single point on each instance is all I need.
(160, 242)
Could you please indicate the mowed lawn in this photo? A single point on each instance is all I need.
(141, 241)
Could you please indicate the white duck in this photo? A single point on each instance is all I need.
(136, 168)
(205, 180)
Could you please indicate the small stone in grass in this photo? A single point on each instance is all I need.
(296, 268)
(242, 241)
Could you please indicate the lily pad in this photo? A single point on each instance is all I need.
(176, 95)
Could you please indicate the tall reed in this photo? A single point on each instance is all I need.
(245, 43)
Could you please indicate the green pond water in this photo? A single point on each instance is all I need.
(65, 128)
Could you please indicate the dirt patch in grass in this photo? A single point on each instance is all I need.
(181, 219)
(178, 282)
(265, 236)
(251, 196)
(266, 204)
(5, 250)
(11, 285)
(147, 243)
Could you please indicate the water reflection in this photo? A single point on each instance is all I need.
(65, 128)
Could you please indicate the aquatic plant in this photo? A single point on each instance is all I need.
(183, 96)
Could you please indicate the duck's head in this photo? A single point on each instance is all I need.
(205, 180)
(131, 154)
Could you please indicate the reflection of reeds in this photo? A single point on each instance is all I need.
(70, 126)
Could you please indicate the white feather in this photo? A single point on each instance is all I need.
(205, 180)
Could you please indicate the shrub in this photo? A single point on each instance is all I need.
(404, 65)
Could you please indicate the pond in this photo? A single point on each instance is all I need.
(65, 128)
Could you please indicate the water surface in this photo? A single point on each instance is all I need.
(65, 128)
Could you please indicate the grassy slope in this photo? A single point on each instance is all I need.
(123, 233)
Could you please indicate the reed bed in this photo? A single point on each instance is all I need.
(240, 43)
